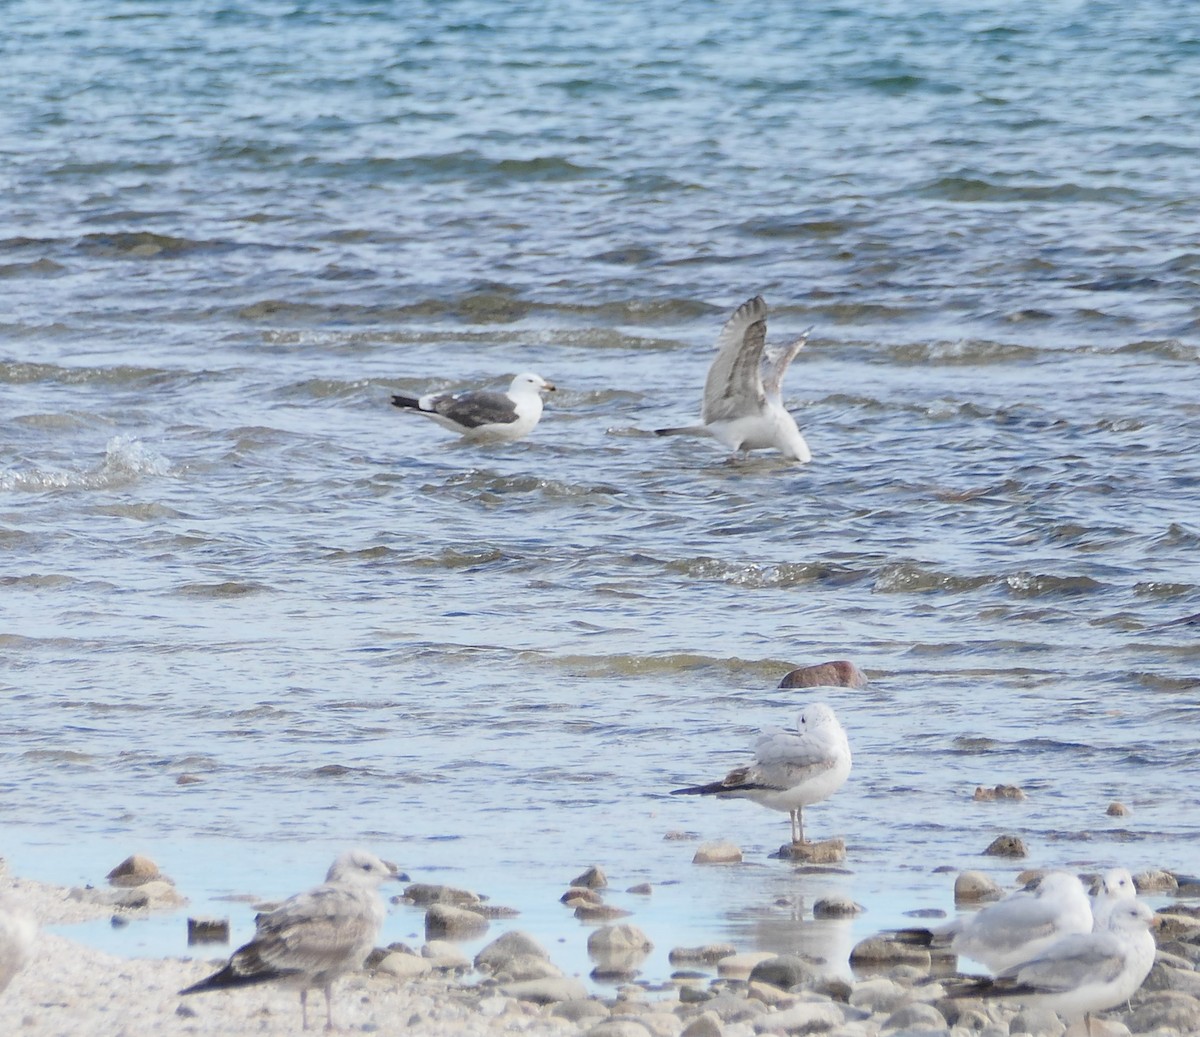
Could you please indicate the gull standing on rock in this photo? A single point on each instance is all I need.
(791, 769)
(743, 404)
(482, 416)
(17, 932)
(1016, 928)
(314, 938)
(1081, 973)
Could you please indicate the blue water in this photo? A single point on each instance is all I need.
(230, 232)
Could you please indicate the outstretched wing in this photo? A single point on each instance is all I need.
(734, 387)
(775, 364)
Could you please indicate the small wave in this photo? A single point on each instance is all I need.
(38, 268)
(1035, 585)
(1166, 348)
(224, 589)
(963, 351)
(911, 578)
(147, 244)
(976, 190)
(126, 460)
(764, 577)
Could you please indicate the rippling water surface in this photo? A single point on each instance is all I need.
(230, 232)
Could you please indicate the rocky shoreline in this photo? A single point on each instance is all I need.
(513, 986)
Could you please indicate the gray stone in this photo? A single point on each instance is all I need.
(826, 851)
(600, 912)
(785, 972)
(836, 907)
(579, 1011)
(619, 1028)
(707, 1024)
(577, 895)
(134, 871)
(618, 939)
(732, 1009)
(973, 886)
(404, 966)
(545, 991)
(717, 853)
(445, 956)
(880, 995)
(642, 889)
(1006, 846)
(442, 921)
(1155, 881)
(709, 954)
(424, 894)
(507, 946)
(1166, 1009)
(915, 1016)
(1041, 1021)
(808, 1017)
(593, 878)
(879, 950)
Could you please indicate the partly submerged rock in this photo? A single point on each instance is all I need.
(840, 673)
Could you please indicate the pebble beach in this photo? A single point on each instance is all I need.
(512, 985)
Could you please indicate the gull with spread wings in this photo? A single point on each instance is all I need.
(743, 404)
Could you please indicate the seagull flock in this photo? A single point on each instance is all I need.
(742, 405)
(1048, 944)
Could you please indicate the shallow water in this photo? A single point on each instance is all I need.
(231, 233)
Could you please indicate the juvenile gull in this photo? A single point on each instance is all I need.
(313, 938)
(17, 932)
(791, 769)
(1115, 885)
(1016, 928)
(743, 405)
(483, 416)
(1080, 973)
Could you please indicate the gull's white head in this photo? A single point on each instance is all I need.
(815, 715)
(361, 867)
(1130, 916)
(1117, 883)
(529, 382)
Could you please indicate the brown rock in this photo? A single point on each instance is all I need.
(999, 792)
(973, 886)
(577, 895)
(134, 871)
(593, 878)
(828, 851)
(841, 673)
(1155, 881)
(879, 950)
(600, 912)
(207, 930)
(836, 907)
(1116, 809)
(424, 893)
(1006, 846)
(709, 954)
(717, 853)
(444, 921)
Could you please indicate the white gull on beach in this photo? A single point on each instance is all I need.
(743, 404)
(483, 416)
(1016, 928)
(313, 938)
(791, 769)
(1080, 973)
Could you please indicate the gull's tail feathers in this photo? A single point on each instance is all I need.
(405, 401)
(684, 430)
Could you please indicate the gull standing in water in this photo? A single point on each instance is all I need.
(1082, 973)
(483, 416)
(743, 404)
(791, 769)
(314, 938)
